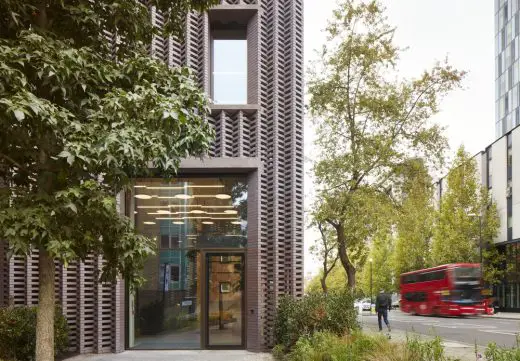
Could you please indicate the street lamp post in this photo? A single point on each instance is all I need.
(370, 260)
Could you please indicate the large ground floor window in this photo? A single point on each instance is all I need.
(193, 295)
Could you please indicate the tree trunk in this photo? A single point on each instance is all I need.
(45, 314)
(343, 257)
(324, 283)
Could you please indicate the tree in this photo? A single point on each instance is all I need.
(336, 280)
(467, 216)
(326, 251)
(382, 273)
(414, 224)
(368, 122)
(81, 115)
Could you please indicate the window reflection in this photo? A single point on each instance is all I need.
(184, 216)
(230, 71)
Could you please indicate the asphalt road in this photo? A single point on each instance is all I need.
(469, 330)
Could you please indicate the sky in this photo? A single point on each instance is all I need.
(463, 31)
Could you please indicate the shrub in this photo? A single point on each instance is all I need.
(495, 353)
(312, 313)
(325, 346)
(18, 333)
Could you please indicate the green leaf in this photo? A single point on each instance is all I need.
(72, 207)
(19, 115)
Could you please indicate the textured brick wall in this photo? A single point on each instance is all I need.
(270, 127)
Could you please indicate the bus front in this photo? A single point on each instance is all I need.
(464, 298)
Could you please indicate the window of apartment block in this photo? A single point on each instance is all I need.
(509, 157)
(229, 63)
(489, 169)
(509, 212)
(174, 273)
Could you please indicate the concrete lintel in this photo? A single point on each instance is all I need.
(220, 165)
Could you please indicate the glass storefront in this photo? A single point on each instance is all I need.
(508, 292)
(188, 218)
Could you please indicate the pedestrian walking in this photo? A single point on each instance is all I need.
(383, 305)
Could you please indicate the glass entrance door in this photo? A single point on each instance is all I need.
(225, 300)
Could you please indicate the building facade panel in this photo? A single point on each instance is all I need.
(499, 183)
(515, 187)
(268, 130)
(507, 65)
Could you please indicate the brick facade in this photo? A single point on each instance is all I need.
(268, 128)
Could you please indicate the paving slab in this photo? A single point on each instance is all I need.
(180, 355)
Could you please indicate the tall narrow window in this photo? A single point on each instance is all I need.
(509, 218)
(229, 63)
(489, 169)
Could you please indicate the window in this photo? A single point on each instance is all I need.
(489, 168)
(165, 241)
(509, 212)
(175, 273)
(229, 62)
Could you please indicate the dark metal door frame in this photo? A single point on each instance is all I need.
(205, 316)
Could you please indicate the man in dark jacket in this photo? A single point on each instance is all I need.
(383, 305)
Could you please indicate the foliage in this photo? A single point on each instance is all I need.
(325, 250)
(369, 121)
(415, 220)
(467, 216)
(496, 353)
(83, 110)
(336, 280)
(333, 312)
(18, 331)
(362, 347)
(383, 277)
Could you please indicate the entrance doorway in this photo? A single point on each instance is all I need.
(225, 300)
(192, 297)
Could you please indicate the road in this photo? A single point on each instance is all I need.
(469, 330)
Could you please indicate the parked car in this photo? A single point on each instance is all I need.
(396, 301)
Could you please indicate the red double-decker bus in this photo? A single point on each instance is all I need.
(448, 290)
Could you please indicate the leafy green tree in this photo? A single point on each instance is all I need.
(466, 218)
(336, 280)
(83, 110)
(414, 222)
(368, 122)
(379, 259)
(326, 251)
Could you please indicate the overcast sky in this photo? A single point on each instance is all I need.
(463, 30)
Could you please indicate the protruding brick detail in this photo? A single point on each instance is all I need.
(270, 127)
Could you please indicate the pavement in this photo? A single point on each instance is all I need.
(181, 355)
(460, 335)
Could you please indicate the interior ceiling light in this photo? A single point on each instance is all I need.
(183, 196)
(224, 218)
(236, 222)
(150, 207)
(169, 218)
(135, 212)
(230, 211)
(162, 211)
(148, 222)
(222, 196)
(192, 235)
(197, 211)
(178, 222)
(201, 217)
(139, 186)
(207, 222)
(143, 196)
(216, 206)
(188, 186)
